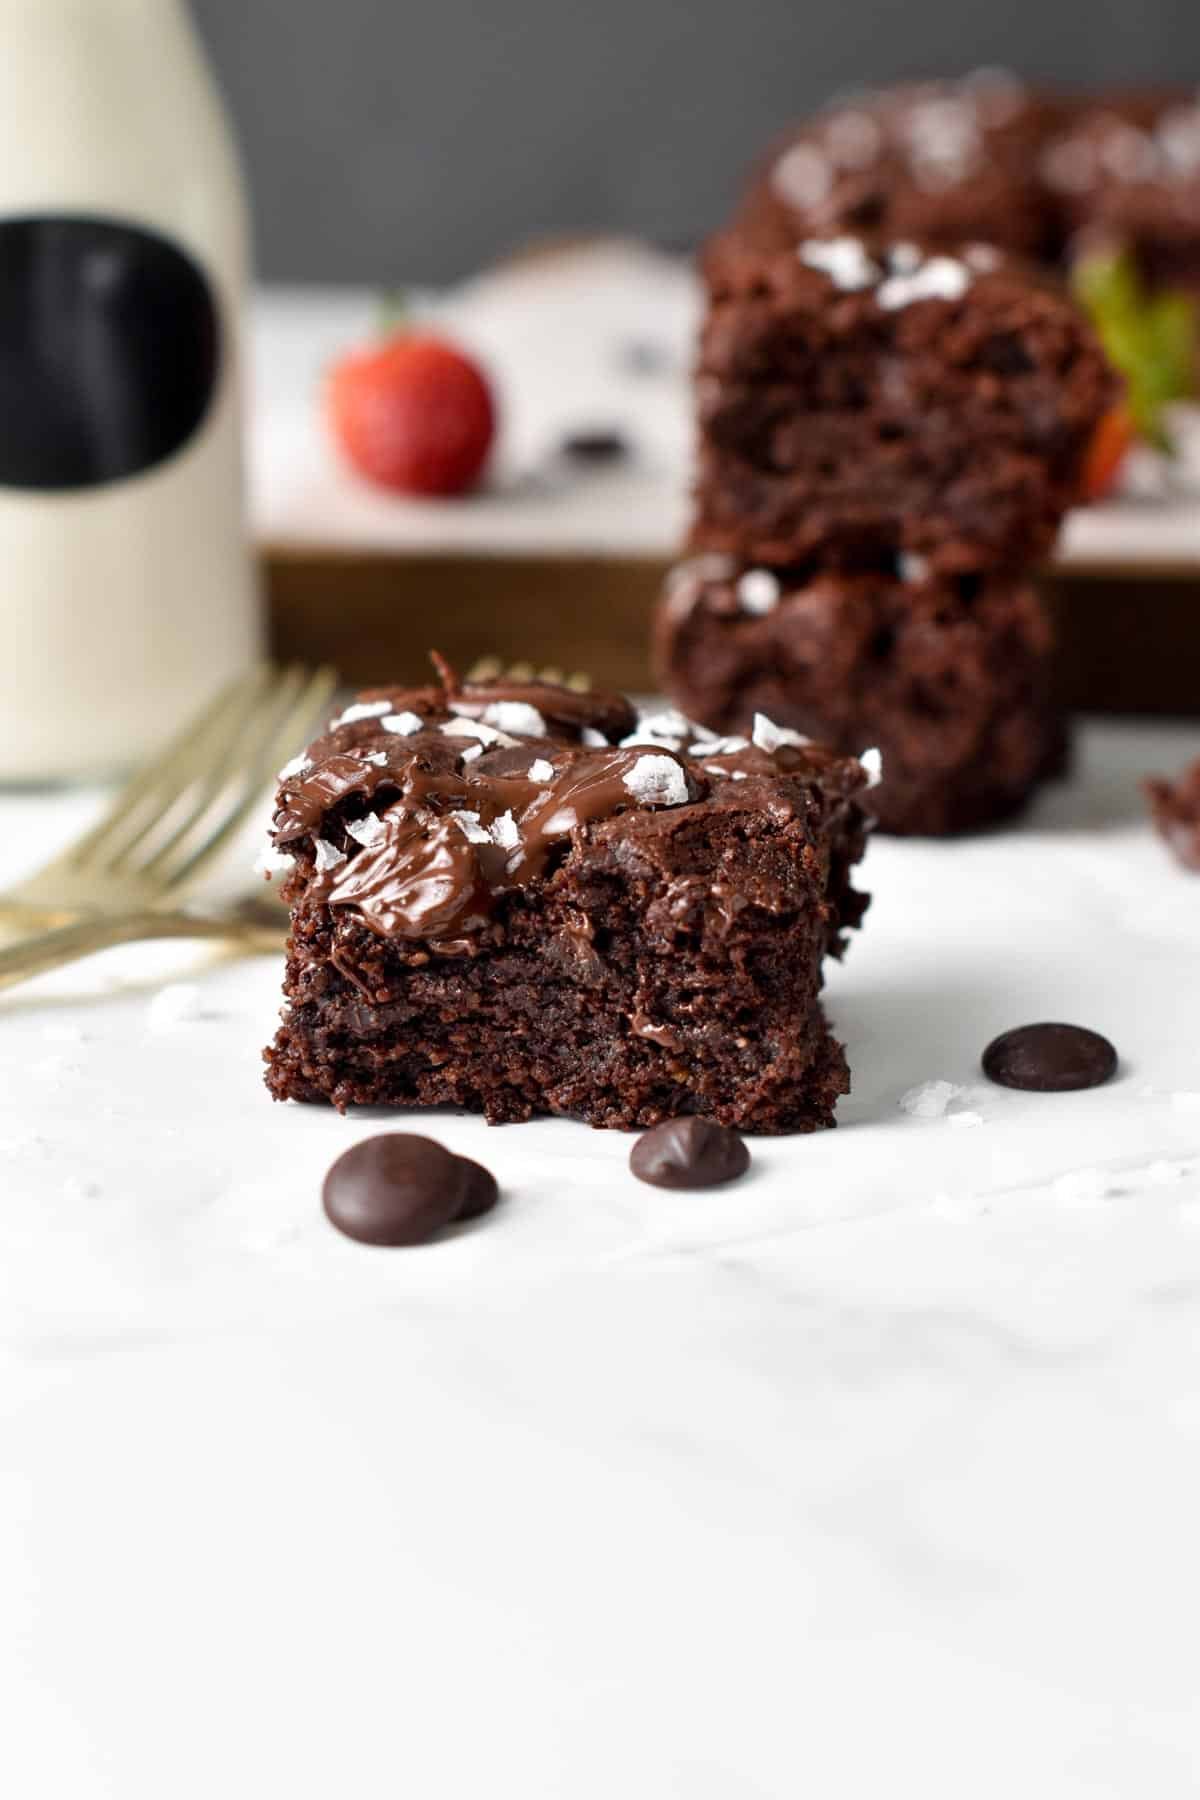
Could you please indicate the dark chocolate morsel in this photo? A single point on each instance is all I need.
(395, 1189)
(689, 1153)
(595, 446)
(1049, 1059)
(481, 1192)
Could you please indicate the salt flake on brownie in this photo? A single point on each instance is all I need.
(471, 826)
(363, 709)
(515, 716)
(328, 856)
(758, 592)
(402, 724)
(771, 737)
(843, 259)
(941, 278)
(505, 832)
(367, 831)
(657, 781)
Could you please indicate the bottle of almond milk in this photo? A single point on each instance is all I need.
(126, 586)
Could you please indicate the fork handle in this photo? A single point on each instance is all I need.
(70, 942)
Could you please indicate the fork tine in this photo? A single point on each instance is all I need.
(291, 725)
(165, 774)
(248, 732)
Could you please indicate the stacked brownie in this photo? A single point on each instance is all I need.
(890, 435)
(519, 900)
(1045, 175)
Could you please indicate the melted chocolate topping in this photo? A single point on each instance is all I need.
(465, 820)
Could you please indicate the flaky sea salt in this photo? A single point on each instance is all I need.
(402, 724)
(941, 278)
(803, 176)
(472, 728)
(363, 709)
(930, 1099)
(670, 723)
(843, 259)
(367, 831)
(591, 739)
(903, 258)
(541, 770)
(515, 716)
(853, 139)
(299, 765)
(758, 592)
(505, 832)
(327, 855)
(912, 567)
(872, 761)
(471, 827)
(770, 737)
(657, 781)
(482, 732)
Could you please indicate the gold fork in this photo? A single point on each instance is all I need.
(164, 830)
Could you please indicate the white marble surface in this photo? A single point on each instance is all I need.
(554, 332)
(877, 1473)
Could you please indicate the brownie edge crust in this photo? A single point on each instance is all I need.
(518, 901)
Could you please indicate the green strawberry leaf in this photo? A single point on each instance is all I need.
(1150, 339)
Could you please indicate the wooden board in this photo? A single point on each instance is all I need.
(1128, 643)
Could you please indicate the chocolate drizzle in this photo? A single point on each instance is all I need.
(464, 824)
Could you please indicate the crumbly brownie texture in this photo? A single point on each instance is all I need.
(1175, 809)
(855, 403)
(942, 162)
(950, 679)
(514, 900)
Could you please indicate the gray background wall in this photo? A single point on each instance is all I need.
(414, 139)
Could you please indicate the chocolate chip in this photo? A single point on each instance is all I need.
(481, 1192)
(396, 1189)
(1049, 1059)
(689, 1153)
(595, 446)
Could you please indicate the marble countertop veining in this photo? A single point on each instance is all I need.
(876, 1473)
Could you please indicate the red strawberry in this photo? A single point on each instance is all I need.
(413, 414)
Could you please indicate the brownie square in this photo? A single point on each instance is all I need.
(516, 900)
(854, 404)
(941, 162)
(950, 678)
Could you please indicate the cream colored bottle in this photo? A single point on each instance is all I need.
(127, 592)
